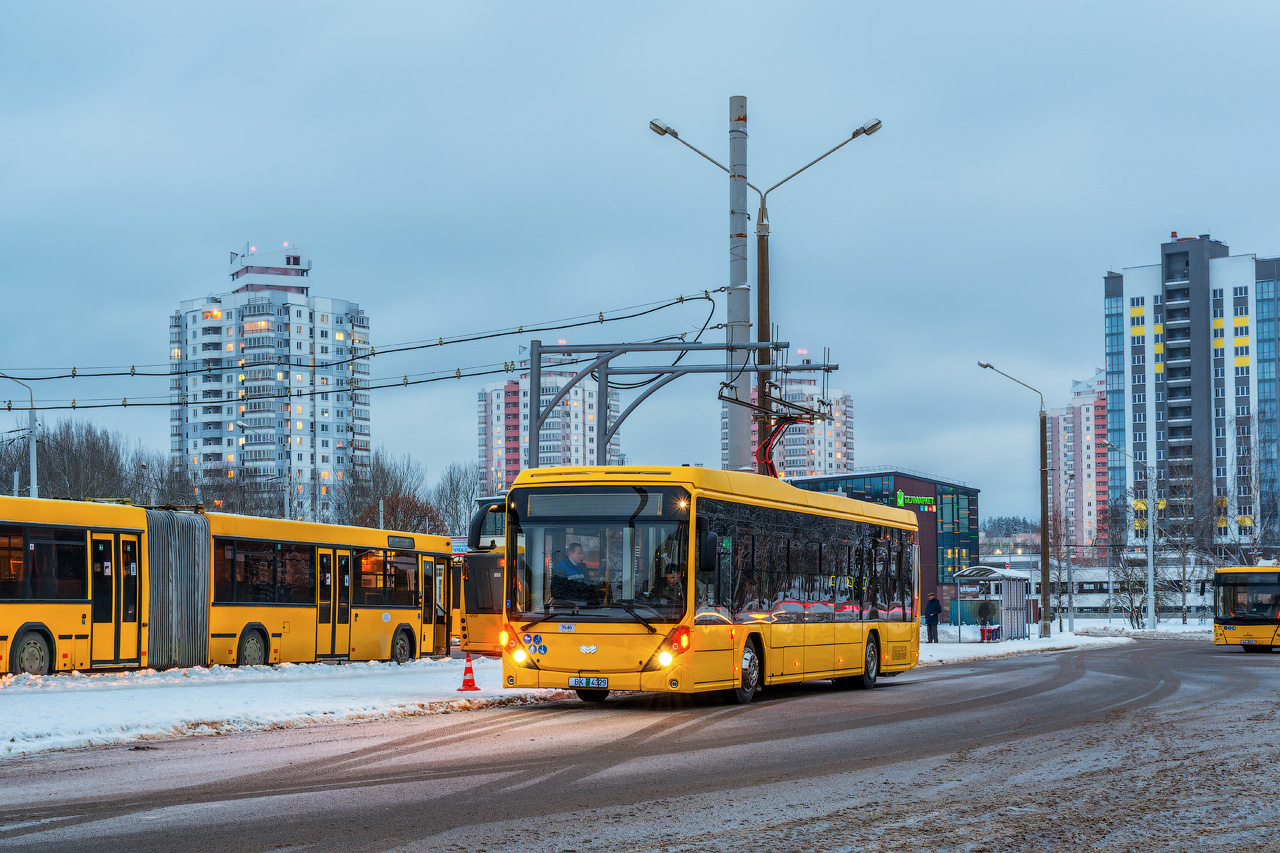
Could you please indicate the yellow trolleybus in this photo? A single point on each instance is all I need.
(88, 585)
(690, 580)
(1245, 604)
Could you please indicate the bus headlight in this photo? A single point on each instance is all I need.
(519, 655)
(665, 658)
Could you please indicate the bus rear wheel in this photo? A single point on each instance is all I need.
(31, 654)
(401, 647)
(252, 651)
(871, 666)
(750, 682)
(592, 695)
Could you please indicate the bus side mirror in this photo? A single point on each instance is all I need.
(707, 552)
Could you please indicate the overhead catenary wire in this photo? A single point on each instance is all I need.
(574, 322)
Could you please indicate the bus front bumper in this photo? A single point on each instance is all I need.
(668, 680)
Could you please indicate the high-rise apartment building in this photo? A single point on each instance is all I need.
(1078, 458)
(271, 357)
(1191, 391)
(807, 449)
(569, 435)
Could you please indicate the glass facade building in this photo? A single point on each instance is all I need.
(947, 514)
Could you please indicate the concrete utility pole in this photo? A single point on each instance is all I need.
(739, 296)
(31, 436)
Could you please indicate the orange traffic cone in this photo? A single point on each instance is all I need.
(468, 677)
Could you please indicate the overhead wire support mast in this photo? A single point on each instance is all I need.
(600, 366)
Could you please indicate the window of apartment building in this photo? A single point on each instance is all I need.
(1139, 396)
(1220, 432)
(1220, 452)
(1139, 436)
(1242, 290)
(1219, 391)
(1138, 321)
(1220, 471)
(1242, 311)
(1242, 370)
(1242, 390)
(1159, 414)
(1217, 293)
(1159, 434)
(1139, 379)
(1219, 412)
(1138, 340)
(1139, 417)
(1219, 373)
(1219, 333)
(1135, 301)
(1217, 313)
(1242, 411)
(1139, 358)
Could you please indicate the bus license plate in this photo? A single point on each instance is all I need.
(588, 682)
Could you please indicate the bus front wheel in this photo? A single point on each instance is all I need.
(31, 654)
(750, 683)
(592, 695)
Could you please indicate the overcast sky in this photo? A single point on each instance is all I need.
(471, 166)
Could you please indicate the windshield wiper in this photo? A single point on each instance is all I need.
(544, 617)
(625, 605)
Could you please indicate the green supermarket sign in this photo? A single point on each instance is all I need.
(912, 500)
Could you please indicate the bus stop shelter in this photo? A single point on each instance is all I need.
(1001, 610)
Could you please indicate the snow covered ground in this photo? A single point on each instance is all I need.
(40, 713)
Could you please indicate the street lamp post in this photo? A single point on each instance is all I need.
(288, 489)
(1152, 502)
(763, 323)
(1044, 501)
(31, 435)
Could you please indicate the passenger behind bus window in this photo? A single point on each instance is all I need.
(668, 589)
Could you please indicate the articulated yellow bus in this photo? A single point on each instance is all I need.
(94, 585)
(689, 580)
(1246, 607)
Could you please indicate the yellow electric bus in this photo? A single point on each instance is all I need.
(87, 585)
(478, 586)
(1246, 601)
(691, 580)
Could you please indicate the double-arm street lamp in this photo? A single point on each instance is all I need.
(763, 324)
(31, 434)
(1153, 500)
(1044, 501)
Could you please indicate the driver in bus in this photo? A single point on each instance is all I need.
(569, 577)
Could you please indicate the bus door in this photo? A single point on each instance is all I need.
(435, 619)
(333, 604)
(115, 637)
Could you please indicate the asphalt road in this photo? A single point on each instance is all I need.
(1156, 745)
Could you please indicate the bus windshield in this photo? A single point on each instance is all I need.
(599, 553)
(1246, 596)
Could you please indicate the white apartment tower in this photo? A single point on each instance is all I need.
(265, 393)
(569, 436)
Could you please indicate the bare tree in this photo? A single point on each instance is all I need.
(455, 495)
(399, 483)
(1059, 553)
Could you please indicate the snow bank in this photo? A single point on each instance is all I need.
(68, 711)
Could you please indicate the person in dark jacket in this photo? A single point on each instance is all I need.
(932, 610)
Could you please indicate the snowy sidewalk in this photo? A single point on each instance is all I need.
(40, 713)
(1089, 633)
